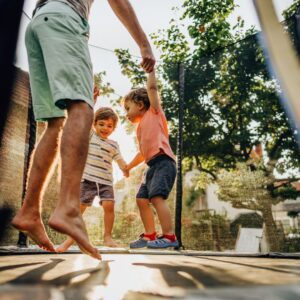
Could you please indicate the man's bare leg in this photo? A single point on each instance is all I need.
(109, 218)
(28, 219)
(66, 217)
(64, 246)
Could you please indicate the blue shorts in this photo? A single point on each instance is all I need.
(159, 178)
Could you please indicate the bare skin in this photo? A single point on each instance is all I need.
(109, 242)
(69, 241)
(163, 213)
(28, 219)
(66, 218)
(109, 217)
(147, 217)
(64, 246)
(124, 11)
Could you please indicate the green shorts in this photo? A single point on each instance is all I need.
(60, 66)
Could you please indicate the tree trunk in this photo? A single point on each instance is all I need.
(272, 235)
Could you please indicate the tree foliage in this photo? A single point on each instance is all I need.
(104, 87)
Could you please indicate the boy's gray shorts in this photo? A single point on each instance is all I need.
(89, 190)
(158, 179)
(59, 61)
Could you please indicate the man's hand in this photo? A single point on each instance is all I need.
(124, 11)
(148, 59)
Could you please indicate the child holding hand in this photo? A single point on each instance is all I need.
(144, 108)
(97, 176)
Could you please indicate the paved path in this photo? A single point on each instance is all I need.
(147, 277)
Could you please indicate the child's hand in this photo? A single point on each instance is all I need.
(126, 171)
(96, 93)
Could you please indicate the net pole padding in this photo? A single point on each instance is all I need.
(10, 17)
(282, 60)
(30, 140)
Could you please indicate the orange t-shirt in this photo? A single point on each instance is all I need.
(152, 134)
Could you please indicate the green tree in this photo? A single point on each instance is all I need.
(104, 87)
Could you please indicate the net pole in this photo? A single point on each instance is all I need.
(179, 190)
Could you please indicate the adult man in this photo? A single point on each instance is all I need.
(61, 80)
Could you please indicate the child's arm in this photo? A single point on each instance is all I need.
(135, 161)
(152, 91)
(123, 166)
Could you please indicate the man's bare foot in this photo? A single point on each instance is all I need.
(65, 245)
(109, 242)
(32, 225)
(73, 226)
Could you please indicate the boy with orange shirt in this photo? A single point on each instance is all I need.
(144, 108)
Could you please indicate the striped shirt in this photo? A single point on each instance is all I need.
(82, 7)
(101, 153)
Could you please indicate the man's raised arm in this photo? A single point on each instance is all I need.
(125, 12)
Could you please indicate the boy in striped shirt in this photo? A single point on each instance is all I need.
(97, 179)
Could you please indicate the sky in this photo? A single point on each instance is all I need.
(107, 32)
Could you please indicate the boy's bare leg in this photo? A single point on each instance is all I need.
(164, 214)
(64, 246)
(146, 214)
(28, 219)
(66, 217)
(109, 218)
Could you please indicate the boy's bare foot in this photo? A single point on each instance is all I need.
(32, 225)
(73, 226)
(65, 245)
(109, 242)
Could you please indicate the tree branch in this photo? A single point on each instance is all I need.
(199, 166)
